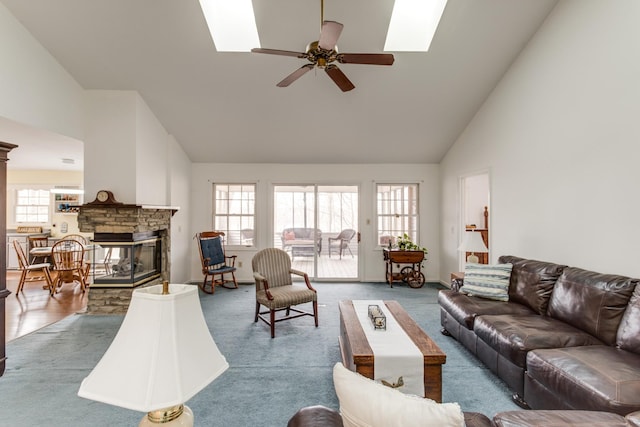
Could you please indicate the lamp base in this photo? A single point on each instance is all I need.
(175, 416)
(473, 258)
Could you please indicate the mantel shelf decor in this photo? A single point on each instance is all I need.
(377, 317)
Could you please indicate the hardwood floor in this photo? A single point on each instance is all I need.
(34, 308)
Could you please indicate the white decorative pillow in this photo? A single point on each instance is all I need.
(487, 281)
(367, 403)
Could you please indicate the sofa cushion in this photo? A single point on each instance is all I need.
(512, 336)
(603, 296)
(589, 377)
(532, 281)
(464, 308)
(487, 281)
(629, 331)
(364, 402)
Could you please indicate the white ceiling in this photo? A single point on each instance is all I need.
(225, 107)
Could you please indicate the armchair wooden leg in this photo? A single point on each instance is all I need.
(257, 311)
(315, 312)
(272, 317)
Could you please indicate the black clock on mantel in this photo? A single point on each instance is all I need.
(105, 197)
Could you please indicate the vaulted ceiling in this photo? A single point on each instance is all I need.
(225, 107)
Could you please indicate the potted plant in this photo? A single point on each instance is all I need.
(405, 243)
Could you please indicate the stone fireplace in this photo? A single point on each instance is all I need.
(120, 226)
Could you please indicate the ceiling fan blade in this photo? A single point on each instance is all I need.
(295, 75)
(339, 78)
(329, 34)
(366, 58)
(279, 52)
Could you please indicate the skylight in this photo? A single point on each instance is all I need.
(232, 24)
(413, 25)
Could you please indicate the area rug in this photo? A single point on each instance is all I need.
(268, 379)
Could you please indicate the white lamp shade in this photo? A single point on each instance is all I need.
(473, 243)
(162, 355)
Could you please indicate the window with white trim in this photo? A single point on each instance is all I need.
(234, 209)
(32, 206)
(397, 212)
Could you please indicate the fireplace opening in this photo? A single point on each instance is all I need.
(126, 260)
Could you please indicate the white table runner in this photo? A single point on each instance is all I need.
(395, 355)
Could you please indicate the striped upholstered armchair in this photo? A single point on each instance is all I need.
(275, 289)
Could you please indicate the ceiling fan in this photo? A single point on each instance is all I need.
(324, 52)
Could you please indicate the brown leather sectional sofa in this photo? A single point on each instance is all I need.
(567, 338)
(321, 416)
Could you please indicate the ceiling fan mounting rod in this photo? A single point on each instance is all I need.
(321, 13)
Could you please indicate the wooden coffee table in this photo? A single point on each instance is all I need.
(358, 356)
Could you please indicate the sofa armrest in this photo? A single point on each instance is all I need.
(633, 419)
(316, 416)
(321, 416)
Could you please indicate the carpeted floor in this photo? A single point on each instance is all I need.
(268, 379)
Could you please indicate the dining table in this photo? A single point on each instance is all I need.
(43, 254)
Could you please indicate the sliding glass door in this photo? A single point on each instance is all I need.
(318, 226)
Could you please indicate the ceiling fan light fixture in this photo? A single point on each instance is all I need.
(232, 24)
(413, 25)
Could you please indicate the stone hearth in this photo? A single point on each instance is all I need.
(125, 219)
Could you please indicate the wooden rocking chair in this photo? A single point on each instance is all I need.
(214, 262)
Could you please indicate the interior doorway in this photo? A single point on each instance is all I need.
(475, 209)
(318, 226)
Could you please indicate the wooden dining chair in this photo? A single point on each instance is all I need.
(32, 272)
(104, 264)
(77, 237)
(82, 239)
(69, 263)
(38, 242)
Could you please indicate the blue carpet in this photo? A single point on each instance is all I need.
(268, 379)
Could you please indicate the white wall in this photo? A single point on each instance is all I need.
(151, 157)
(35, 89)
(364, 176)
(560, 135)
(110, 144)
(180, 196)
